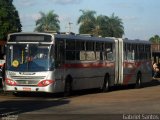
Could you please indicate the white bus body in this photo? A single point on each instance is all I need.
(74, 62)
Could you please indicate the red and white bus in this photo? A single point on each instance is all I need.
(45, 62)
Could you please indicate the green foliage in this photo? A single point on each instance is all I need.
(100, 25)
(48, 22)
(114, 26)
(9, 19)
(155, 39)
(86, 21)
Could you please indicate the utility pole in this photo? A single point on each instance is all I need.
(69, 27)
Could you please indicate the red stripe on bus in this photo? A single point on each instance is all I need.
(132, 72)
(87, 65)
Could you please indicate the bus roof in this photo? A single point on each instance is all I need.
(136, 41)
(86, 37)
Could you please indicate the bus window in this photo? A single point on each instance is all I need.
(125, 52)
(60, 51)
(77, 55)
(90, 55)
(79, 50)
(99, 50)
(108, 52)
(148, 49)
(82, 55)
(52, 58)
(70, 44)
(136, 52)
(99, 46)
(70, 49)
(70, 55)
(90, 51)
(130, 51)
(25, 57)
(98, 57)
(89, 46)
(80, 45)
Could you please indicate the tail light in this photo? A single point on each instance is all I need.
(10, 82)
(44, 83)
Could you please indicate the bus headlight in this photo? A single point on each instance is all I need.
(10, 82)
(44, 83)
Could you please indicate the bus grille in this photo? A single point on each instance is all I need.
(28, 80)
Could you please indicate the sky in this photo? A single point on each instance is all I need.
(141, 19)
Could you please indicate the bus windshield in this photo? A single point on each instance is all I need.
(29, 57)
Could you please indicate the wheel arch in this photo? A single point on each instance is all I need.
(69, 78)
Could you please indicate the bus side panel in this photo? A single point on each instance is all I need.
(131, 70)
(136, 61)
(147, 71)
(59, 78)
(89, 75)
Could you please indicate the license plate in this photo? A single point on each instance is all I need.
(27, 89)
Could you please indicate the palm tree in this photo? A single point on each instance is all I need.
(115, 26)
(155, 42)
(100, 28)
(86, 21)
(100, 25)
(48, 22)
(155, 39)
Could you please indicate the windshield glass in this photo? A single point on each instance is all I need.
(29, 57)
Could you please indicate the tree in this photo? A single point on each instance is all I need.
(155, 39)
(100, 25)
(9, 19)
(114, 26)
(100, 28)
(86, 21)
(48, 22)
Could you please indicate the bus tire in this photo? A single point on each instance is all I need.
(106, 84)
(68, 87)
(139, 81)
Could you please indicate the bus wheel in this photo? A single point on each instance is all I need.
(139, 81)
(68, 88)
(106, 84)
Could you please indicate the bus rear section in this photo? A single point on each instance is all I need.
(135, 66)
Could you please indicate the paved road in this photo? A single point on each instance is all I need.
(85, 105)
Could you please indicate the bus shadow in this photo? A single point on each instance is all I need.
(115, 88)
(30, 95)
(16, 107)
(132, 86)
(154, 82)
(76, 93)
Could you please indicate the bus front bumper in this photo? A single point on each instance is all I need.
(29, 89)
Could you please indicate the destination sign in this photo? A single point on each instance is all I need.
(29, 38)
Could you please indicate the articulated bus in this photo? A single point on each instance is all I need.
(55, 62)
